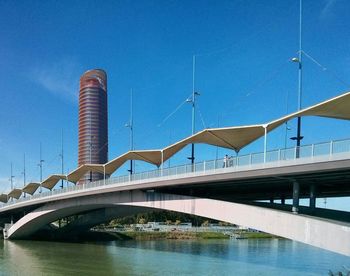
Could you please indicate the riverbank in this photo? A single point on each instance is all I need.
(180, 235)
(105, 235)
(174, 235)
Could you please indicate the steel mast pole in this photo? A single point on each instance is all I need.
(298, 138)
(131, 126)
(62, 160)
(41, 169)
(131, 129)
(24, 172)
(193, 104)
(11, 181)
(11, 177)
(90, 146)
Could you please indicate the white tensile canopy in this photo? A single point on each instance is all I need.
(337, 108)
(234, 138)
(78, 173)
(52, 180)
(31, 188)
(150, 156)
(4, 198)
(237, 138)
(15, 193)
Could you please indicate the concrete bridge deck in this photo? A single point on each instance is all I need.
(264, 181)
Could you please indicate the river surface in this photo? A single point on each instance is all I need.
(168, 257)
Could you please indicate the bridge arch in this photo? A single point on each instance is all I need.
(306, 229)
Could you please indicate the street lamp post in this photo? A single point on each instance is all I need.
(24, 172)
(298, 60)
(41, 169)
(193, 101)
(298, 138)
(62, 160)
(130, 125)
(90, 157)
(11, 179)
(90, 153)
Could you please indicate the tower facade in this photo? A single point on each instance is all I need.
(93, 122)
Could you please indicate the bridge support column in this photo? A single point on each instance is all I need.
(312, 202)
(296, 192)
(283, 200)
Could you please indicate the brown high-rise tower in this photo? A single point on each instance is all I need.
(93, 126)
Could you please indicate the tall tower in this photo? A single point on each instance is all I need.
(93, 125)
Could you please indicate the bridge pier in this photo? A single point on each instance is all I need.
(296, 192)
(312, 203)
(283, 200)
(5, 230)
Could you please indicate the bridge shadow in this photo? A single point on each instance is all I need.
(319, 213)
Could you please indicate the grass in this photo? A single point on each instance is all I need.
(256, 235)
(173, 235)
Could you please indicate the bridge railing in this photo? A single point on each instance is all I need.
(235, 163)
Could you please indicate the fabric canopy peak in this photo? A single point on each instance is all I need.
(15, 193)
(51, 181)
(78, 173)
(31, 188)
(150, 156)
(234, 138)
(4, 198)
(337, 108)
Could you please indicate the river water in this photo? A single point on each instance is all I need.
(168, 257)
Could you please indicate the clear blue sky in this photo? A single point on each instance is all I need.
(243, 72)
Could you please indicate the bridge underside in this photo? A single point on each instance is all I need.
(270, 183)
(77, 225)
(97, 209)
